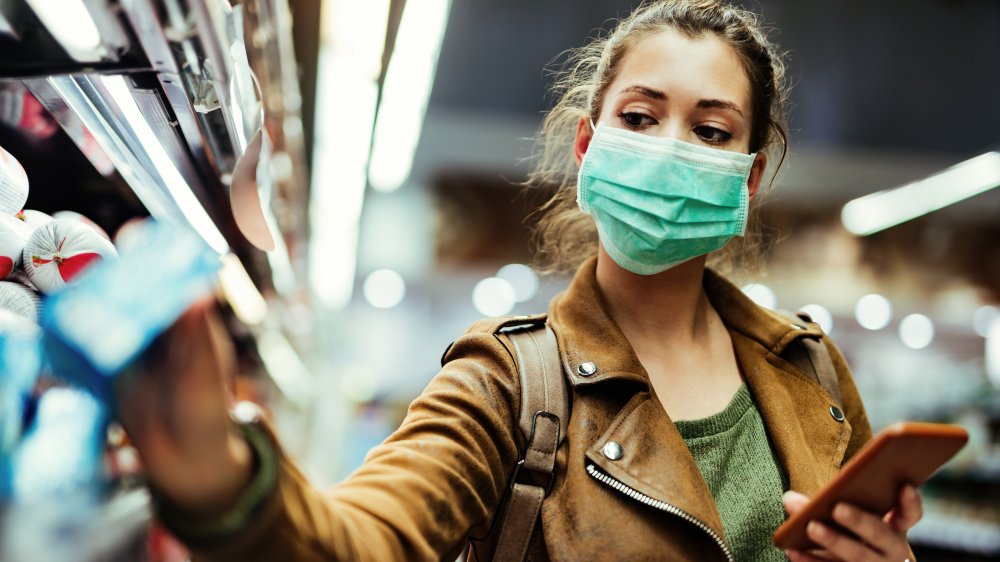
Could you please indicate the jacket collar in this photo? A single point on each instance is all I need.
(808, 441)
(588, 334)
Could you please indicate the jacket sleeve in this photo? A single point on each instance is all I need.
(417, 495)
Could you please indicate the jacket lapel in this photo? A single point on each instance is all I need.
(809, 442)
(655, 461)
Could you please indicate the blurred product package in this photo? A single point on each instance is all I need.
(20, 365)
(116, 308)
(13, 184)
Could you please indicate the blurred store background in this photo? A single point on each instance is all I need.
(399, 130)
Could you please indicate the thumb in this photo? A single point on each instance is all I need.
(794, 501)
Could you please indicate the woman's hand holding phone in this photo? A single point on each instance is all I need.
(874, 538)
(865, 511)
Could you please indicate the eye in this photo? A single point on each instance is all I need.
(712, 135)
(635, 120)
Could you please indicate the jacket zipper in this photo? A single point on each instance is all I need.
(657, 504)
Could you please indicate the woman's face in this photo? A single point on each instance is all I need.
(690, 89)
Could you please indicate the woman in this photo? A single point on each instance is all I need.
(680, 395)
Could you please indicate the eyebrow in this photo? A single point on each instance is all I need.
(702, 104)
(720, 104)
(648, 92)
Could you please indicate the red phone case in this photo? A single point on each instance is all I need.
(905, 452)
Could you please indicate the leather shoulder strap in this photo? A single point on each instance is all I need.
(543, 419)
(817, 362)
(543, 385)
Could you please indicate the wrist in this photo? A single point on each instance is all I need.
(215, 519)
(211, 484)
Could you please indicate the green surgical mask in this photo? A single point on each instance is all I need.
(659, 202)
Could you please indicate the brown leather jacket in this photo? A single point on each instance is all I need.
(439, 478)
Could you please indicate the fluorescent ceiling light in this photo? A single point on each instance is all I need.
(881, 210)
(350, 59)
(407, 87)
(72, 26)
(175, 183)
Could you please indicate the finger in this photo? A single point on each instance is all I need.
(908, 511)
(869, 527)
(801, 556)
(794, 501)
(839, 544)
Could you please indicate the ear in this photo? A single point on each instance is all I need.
(583, 136)
(756, 173)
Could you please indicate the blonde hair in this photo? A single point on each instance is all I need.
(565, 236)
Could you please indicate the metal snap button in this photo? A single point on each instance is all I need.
(612, 450)
(586, 369)
(837, 413)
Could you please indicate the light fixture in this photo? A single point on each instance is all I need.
(241, 293)
(406, 90)
(881, 210)
(993, 353)
(983, 318)
(761, 294)
(522, 278)
(820, 315)
(493, 297)
(174, 182)
(916, 331)
(350, 59)
(873, 312)
(71, 24)
(384, 288)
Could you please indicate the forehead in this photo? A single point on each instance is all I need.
(700, 67)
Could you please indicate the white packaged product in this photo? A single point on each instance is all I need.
(13, 184)
(20, 300)
(14, 235)
(74, 216)
(59, 251)
(33, 219)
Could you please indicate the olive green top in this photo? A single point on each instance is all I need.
(735, 457)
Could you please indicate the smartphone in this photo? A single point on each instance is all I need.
(903, 453)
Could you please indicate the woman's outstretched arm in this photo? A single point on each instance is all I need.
(418, 496)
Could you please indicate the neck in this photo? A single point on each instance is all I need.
(668, 306)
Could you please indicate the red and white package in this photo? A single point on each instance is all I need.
(14, 236)
(33, 219)
(13, 184)
(59, 251)
(19, 300)
(74, 216)
(21, 110)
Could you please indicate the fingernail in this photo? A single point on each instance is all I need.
(841, 511)
(815, 529)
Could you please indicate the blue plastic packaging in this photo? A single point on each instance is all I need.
(61, 452)
(117, 308)
(20, 364)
